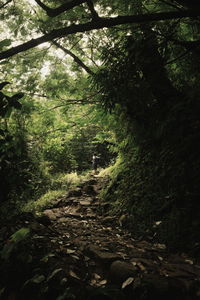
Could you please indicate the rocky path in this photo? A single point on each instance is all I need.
(76, 251)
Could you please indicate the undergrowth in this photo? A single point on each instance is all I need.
(60, 185)
(139, 189)
(43, 202)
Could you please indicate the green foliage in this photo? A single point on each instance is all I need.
(5, 43)
(9, 145)
(43, 202)
(16, 238)
(19, 174)
(60, 185)
(158, 176)
(20, 235)
(7, 103)
(52, 132)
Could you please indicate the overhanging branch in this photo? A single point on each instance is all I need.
(188, 44)
(98, 24)
(170, 4)
(72, 102)
(86, 100)
(53, 12)
(92, 10)
(3, 5)
(75, 58)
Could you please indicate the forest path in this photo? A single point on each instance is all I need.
(79, 251)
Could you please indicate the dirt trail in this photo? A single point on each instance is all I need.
(78, 252)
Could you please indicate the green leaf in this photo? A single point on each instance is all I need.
(5, 43)
(6, 251)
(46, 257)
(20, 235)
(4, 62)
(6, 112)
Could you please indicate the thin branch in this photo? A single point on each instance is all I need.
(170, 4)
(187, 44)
(58, 129)
(76, 43)
(53, 12)
(86, 98)
(188, 3)
(70, 101)
(190, 46)
(38, 136)
(75, 58)
(3, 5)
(73, 102)
(98, 24)
(92, 10)
(92, 60)
(178, 57)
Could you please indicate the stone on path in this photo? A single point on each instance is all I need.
(103, 256)
(120, 271)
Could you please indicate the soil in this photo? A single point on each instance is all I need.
(76, 250)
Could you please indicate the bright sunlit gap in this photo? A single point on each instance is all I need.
(33, 2)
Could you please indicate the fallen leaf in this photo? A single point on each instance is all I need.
(38, 278)
(70, 251)
(54, 273)
(66, 235)
(97, 276)
(63, 281)
(46, 257)
(75, 257)
(109, 228)
(189, 261)
(93, 282)
(102, 282)
(141, 266)
(158, 223)
(130, 246)
(160, 246)
(67, 244)
(72, 274)
(127, 282)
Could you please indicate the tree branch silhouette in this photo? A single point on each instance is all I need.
(98, 24)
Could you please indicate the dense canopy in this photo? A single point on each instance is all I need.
(120, 78)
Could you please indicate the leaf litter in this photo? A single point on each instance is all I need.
(78, 253)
